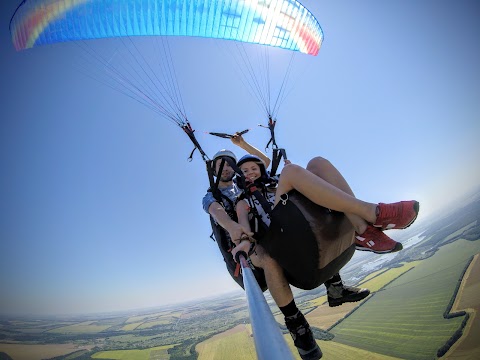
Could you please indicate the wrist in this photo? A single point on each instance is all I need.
(239, 241)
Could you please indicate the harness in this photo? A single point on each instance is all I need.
(249, 189)
(220, 198)
(324, 246)
(217, 194)
(256, 189)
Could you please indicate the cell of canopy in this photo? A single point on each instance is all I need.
(282, 23)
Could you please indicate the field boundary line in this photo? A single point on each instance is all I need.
(471, 312)
(367, 299)
(471, 265)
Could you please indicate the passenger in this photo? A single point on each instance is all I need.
(323, 184)
(337, 292)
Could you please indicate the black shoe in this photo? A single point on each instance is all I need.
(339, 294)
(302, 337)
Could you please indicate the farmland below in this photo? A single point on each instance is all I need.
(424, 305)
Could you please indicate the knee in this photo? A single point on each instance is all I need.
(290, 170)
(318, 163)
(262, 259)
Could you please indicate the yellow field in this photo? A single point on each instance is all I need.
(372, 275)
(232, 344)
(324, 316)
(237, 343)
(35, 352)
(468, 299)
(334, 350)
(317, 301)
(383, 279)
(156, 353)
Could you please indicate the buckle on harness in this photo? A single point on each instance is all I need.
(284, 199)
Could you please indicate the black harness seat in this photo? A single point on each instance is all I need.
(311, 243)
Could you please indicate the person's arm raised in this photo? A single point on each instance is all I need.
(240, 142)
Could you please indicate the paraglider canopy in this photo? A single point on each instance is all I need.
(282, 23)
(151, 79)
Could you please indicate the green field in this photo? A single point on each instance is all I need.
(122, 340)
(131, 326)
(406, 318)
(149, 317)
(403, 319)
(150, 324)
(239, 345)
(87, 327)
(156, 353)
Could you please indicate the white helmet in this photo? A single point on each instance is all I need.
(224, 153)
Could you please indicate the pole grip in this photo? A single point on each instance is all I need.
(240, 253)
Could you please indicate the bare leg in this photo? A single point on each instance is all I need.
(277, 284)
(322, 192)
(325, 169)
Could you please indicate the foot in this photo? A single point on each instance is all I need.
(398, 215)
(376, 241)
(302, 337)
(338, 293)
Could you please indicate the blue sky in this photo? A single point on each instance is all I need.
(100, 209)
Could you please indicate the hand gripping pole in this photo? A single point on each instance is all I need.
(269, 341)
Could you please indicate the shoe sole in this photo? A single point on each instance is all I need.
(416, 208)
(398, 247)
(314, 354)
(338, 302)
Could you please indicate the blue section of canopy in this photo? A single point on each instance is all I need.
(282, 23)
